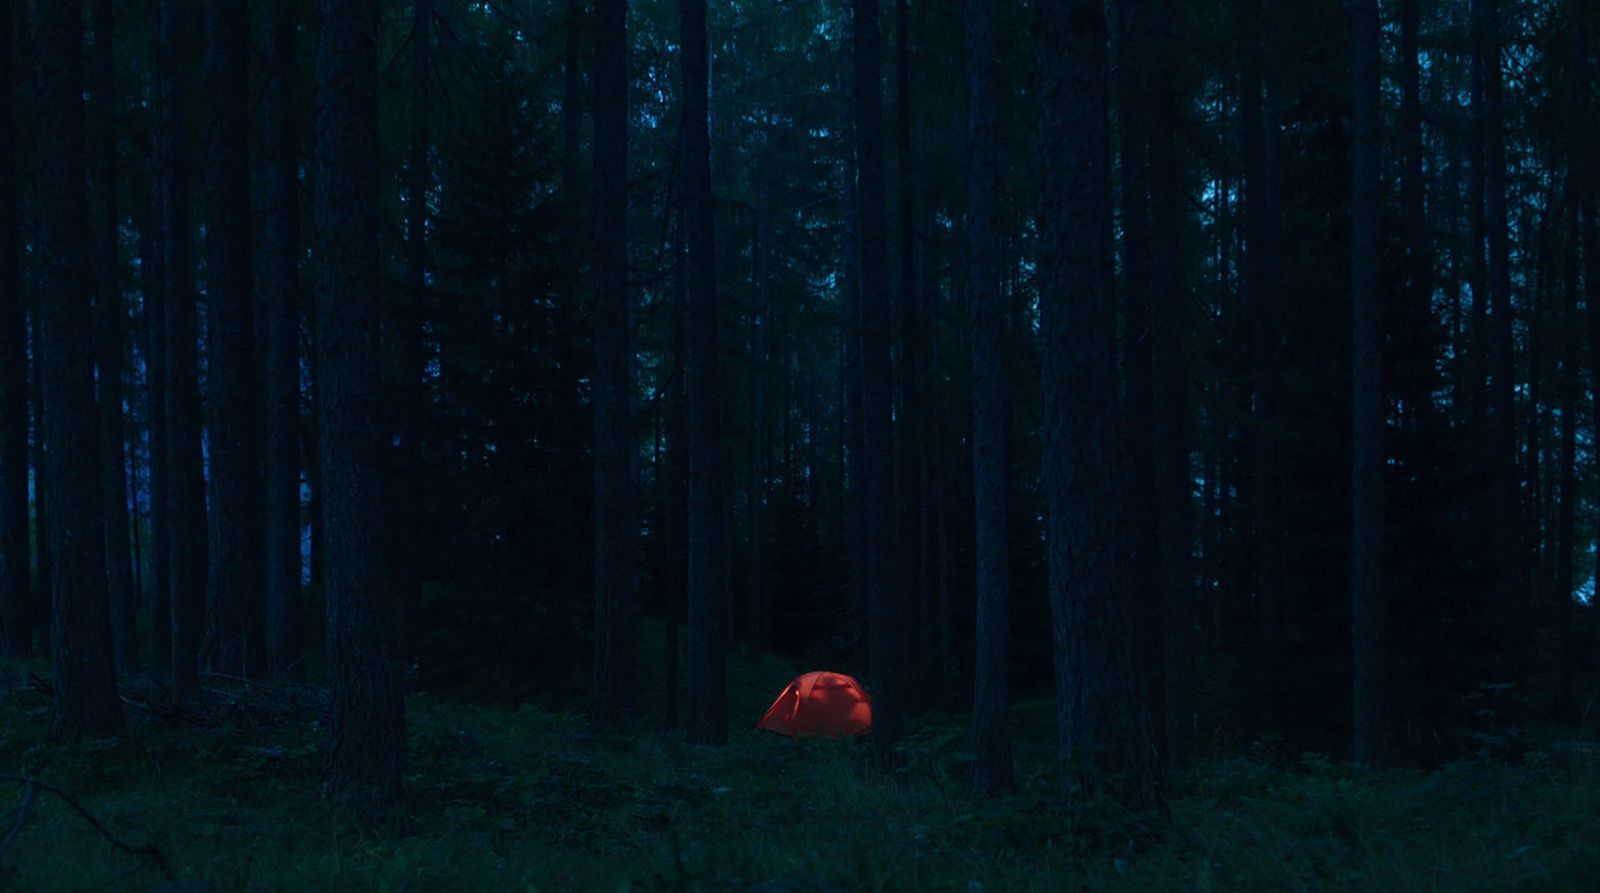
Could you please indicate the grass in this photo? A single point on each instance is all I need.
(526, 800)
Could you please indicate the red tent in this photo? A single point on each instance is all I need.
(820, 705)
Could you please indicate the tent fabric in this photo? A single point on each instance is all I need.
(820, 705)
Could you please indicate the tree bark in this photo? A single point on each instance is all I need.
(708, 549)
(1171, 434)
(613, 377)
(1107, 745)
(1506, 534)
(1142, 518)
(885, 612)
(185, 496)
(410, 402)
(16, 596)
(1417, 310)
(108, 329)
(364, 772)
(854, 432)
(675, 496)
(152, 284)
(1369, 408)
(43, 595)
(761, 429)
(991, 707)
(1581, 185)
(279, 278)
(907, 419)
(86, 696)
(235, 641)
(1258, 125)
(1591, 278)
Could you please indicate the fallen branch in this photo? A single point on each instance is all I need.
(29, 796)
(33, 785)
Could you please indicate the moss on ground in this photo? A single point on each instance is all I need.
(525, 799)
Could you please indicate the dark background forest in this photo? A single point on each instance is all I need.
(430, 432)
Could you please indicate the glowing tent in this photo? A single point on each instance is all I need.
(820, 705)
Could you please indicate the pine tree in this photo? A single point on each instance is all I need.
(364, 773)
(87, 701)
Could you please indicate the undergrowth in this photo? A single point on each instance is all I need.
(525, 799)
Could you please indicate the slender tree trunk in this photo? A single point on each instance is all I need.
(1570, 347)
(707, 547)
(364, 772)
(42, 609)
(16, 626)
(675, 501)
(185, 496)
(1258, 123)
(761, 433)
(1417, 338)
(991, 708)
(1172, 436)
(571, 110)
(410, 403)
(855, 467)
(1591, 279)
(279, 277)
(885, 612)
(1581, 185)
(85, 676)
(1369, 407)
(1142, 518)
(109, 314)
(152, 284)
(1107, 744)
(1478, 270)
(907, 446)
(1510, 573)
(613, 437)
(234, 642)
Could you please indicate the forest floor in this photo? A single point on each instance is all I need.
(524, 799)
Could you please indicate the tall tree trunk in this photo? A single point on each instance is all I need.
(1581, 185)
(1142, 518)
(708, 550)
(1478, 270)
(991, 706)
(1258, 124)
(364, 772)
(1417, 386)
(234, 642)
(109, 312)
(886, 620)
(761, 430)
(16, 627)
(185, 496)
(1107, 745)
(1591, 294)
(152, 285)
(279, 278)
(86, 678)
(1510, 573)
(571, 111)
(1172, 436)
(854, 432)
(1368, 406)
(675, 496)
(907, 418)
(43, 594)
(410, 402)
(613, 377)
(1570, 347)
